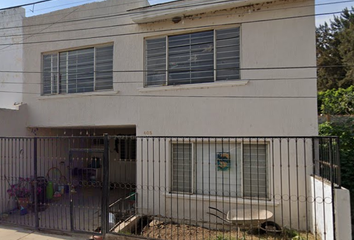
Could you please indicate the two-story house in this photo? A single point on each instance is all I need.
(202, 78)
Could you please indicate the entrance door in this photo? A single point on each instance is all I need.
(86, 180)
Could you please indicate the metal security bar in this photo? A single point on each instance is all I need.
(172, 187)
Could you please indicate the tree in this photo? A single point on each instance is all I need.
(335, 52)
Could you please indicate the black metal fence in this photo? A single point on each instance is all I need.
(172, 187)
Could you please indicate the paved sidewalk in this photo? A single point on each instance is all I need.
(15, 233)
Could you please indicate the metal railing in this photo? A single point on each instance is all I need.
(173, 187)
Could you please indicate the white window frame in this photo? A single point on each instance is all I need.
(57, 74)
(194, 144)
(214, 53)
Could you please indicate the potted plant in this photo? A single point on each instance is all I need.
(21, 192)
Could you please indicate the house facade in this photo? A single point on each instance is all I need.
(255, 89)
(184, 69)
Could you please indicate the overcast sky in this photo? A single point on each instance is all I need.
(60, 4)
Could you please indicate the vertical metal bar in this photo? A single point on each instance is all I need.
(297, 183)
(35, 173)
(237, 167)
(289, 181)
(147, 182)
(142, 181)
(171, 160)
(314, 185)
(281, 182)
(166, 187)
(153, 184)
(159, 180)
(230, 190)
(222, 188)
(106, 186)
(192, 168)
(71, 193)
(202, 185)
(273, 180)
(209, 178)
(323, 189)
(338, 164)
(306, 182)
(257, 167)
(251, 188)
(332, 177)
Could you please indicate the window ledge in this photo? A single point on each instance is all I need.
(195, 86)
(231, 200)
(76, 95)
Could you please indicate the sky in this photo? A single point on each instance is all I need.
(60, 4)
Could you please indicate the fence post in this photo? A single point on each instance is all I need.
(106, 187)
(338, 165)
(35, 162)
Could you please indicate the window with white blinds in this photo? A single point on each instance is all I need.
(182, 162)
(195, 169)
(193, 58)
(78, 71)
(255, 180)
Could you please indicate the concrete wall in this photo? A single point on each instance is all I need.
(13, 122)
(11, 61)
(323, 207)
(343, 216)
(289, 106)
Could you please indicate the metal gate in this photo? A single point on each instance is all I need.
(71, 184)
(60, 179)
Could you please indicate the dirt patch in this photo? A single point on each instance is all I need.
(179, 231)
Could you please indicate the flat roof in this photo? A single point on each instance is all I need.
(162, 11)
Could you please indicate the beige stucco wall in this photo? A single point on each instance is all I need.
(13, 122)
(11, 64)
(288, 107)
(322, 207)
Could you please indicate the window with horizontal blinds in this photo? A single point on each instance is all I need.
(182, 167)
(50, 69)
(83, 70)
(255, 179)
(228, 54)
(104, 68)
(156, 62)
(242, 172)
(191, 58)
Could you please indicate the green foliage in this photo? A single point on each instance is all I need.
(344, 129)
(221, 237)
(335, 52)
(291, 234)
(336, 102)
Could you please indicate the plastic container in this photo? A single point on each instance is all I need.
(50, 190)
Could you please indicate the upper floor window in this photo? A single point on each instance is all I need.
(199, 57)
(78, 71)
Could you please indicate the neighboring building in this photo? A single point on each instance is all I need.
(185, 68)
